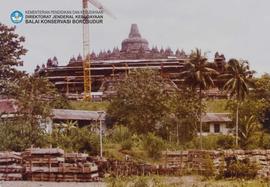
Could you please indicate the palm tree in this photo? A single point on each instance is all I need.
(66, 128)
(238, 82)
(198, 75)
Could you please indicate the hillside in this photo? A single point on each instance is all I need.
(214, 106)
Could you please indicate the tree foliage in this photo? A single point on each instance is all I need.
(18, 135)
(238, 79)
(251, 114)
(184, 108)
(34, 96)
(146, 102)
(28, 125)
(71, 138)
(198, 74)
(238, 84)
(262, 94)
(140, 102)
(11, 52)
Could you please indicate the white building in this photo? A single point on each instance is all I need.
(217, 123)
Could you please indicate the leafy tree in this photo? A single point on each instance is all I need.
(262, 90)
(34, 96)
(11, 52)
(198, 75)
(34, 104)
(183, 106)
(238, 82)
(251, 107)
(18, 134)
(262, 94)
(140, 102)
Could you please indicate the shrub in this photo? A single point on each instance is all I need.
(120, 133)
(153, 145)
(240, 169)
(75, 139)
(127, 144)
(19, 134)
(209, 167)
(225, 142)
(212, 142)
(265, 141)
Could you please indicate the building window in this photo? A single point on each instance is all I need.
(216, 128)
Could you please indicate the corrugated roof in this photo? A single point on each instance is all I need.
(8, 106)
(216, 117)
(78, 115)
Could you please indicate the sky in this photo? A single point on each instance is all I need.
(237, 28)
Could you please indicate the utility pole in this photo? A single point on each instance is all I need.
(100, 113)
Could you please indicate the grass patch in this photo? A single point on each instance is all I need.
(216, 106)
(185, 181)
(93, 106)
(236, 183)
(138, 154)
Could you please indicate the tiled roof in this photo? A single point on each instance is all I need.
(216, 117)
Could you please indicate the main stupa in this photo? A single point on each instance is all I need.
(134, 42)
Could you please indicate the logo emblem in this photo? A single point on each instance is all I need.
(16, 17)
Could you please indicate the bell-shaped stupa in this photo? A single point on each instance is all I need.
(134, 42)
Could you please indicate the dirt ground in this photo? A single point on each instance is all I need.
(49, 184)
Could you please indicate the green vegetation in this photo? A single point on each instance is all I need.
(209, 167)
(212, 106)
(217, 106)
(34, 101)
(241, 169)
(144, 105)
(212, 142)
(11, 52)
(141, 102)
(74, 139)
(95, 106)
(121, 134)
(185, 181)
(238, 84)
(198, 74)
(154, 145)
